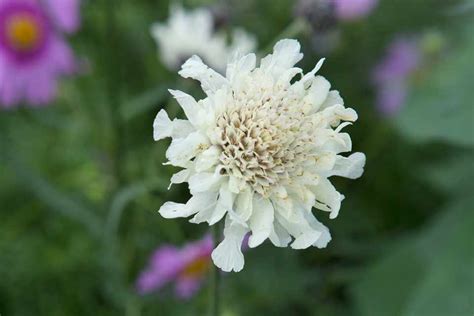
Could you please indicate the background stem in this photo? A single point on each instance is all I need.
(214, 299)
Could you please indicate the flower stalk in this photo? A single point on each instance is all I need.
(214, 298)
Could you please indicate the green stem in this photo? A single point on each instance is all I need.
(214, 298)
(111, 54)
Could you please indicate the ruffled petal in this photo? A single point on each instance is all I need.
(327, 198)
(279, 236)
(197, 203)
(191, 108)
(205, 181)
(224, 203)
(306, 232)
(228, 254)
(163, 127)
(351, 167)
(244, 205)
(181, 150)
(240, 66)
(207, 159)
(180, 177)
(328, 140)
(286, 53)
(333, 98)
(261, 221)
(194, 68)
(318, 92)
(309, 77)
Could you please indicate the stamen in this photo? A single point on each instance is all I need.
(23, 32)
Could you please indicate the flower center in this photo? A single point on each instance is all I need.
(263, 145)
(23, 32)
(197, 267)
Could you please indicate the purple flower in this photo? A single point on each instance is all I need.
(187, 267)
(391, 74)
(353, 9)
(33, 53)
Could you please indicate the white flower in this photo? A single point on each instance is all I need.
(190, 33)
(258, 151)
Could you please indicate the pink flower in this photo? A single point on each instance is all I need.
(33, 53)
(353, 9)
(391, 74)
(187, 267)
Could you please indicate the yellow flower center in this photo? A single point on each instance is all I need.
(23, 32)
(197, 267)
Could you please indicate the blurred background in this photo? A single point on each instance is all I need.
(81, 179)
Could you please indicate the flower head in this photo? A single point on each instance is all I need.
(353, 9)
(391, 74)
(258, 151)
(32, 52)
(186, 266)
(321, 17)
(192, 32)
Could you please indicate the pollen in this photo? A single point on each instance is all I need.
(197, 267)
(23, 32)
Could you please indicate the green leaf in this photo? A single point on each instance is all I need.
(58, 201)
(427, 274)
(441, 108)
(455, 175)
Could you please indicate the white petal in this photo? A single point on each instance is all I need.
(325, 161)
(284, 79)
(207, 159)
(181, 150)
(205, 181)
(228, 254)
(204, 215)
(240, 66)
(351, 167)
(190, 107)
(243, 204)
(306, 232)
(346, 114)
(224, 203)
(337, 113)
(333, 98)
(306, 239)
(328, 199)
(162, 126)
(195, 204)
(261, 220)
(286, 53)
(310, 75)
(236, 185)
(284, 206)
(194, 68)
(180, 177)
(174, 210)
(325, 236)
(279, 236)
(332, 141)
(318, 92)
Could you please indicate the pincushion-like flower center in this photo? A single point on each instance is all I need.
(264, 143)
(23, 32)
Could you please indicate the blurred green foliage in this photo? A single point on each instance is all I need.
(81, 181)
